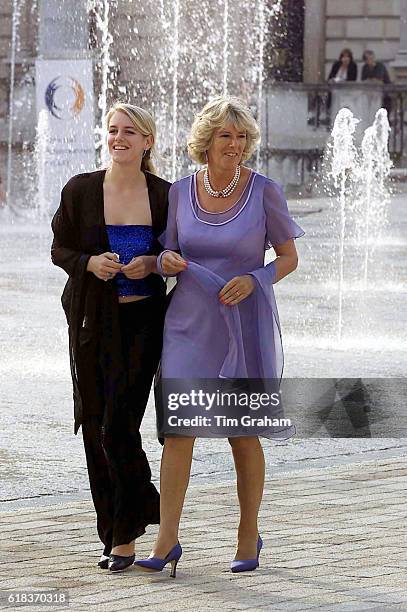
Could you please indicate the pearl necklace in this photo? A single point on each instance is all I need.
(223, 193)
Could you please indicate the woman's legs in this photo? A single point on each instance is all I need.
(174, 479)
(98, 468)
(249, 462)
(99, 479)
(136, 500)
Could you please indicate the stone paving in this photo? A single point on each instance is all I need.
(335, 540)
(36, 388)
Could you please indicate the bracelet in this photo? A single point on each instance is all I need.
(158, 264)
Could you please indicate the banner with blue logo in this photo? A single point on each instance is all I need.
(65, 123)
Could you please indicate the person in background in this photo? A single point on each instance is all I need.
(375, 71)
(344, 69)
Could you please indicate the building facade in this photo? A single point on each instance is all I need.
(214, 46)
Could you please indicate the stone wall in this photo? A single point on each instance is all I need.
(25, 56)
(142, 63)
(5, 39)
(141, 52)
(360, 25)
(5, 29)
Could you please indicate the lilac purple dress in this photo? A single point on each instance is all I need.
(202, 337)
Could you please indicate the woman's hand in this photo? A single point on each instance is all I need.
(139, 267)
(236, 290)
(104, 266)
(172, 263)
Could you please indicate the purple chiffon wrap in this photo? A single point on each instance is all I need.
(202, 337)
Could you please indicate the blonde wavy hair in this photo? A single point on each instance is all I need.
(216, 114)
(143, 123)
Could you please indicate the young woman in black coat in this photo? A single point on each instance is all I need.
(105, 238)
(344, 69)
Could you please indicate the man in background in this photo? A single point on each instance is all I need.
(375, 71)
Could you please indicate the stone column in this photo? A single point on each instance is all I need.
(314, 41)
(399, 65)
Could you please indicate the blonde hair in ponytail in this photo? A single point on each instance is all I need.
(143, 123)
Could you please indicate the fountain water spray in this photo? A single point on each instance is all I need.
(175, 58)
(374, 171)
(361, 178)
(42, 154)
(14, 45)
(262, 21)
(344, 161)
(204, 62)
(225, 46)
(101, 9)
(179, 69)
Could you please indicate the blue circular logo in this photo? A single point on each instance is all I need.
(64, 97)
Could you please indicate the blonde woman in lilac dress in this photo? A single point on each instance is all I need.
(222, 321)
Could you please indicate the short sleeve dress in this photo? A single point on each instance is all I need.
(202, 337)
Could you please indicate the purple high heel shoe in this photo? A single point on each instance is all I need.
(157, 564)
(247, 565)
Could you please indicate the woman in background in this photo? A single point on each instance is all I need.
(344, 69)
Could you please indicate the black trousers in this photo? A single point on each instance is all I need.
(125, 499)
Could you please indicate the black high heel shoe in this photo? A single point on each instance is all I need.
(117, 563)
(103, 562)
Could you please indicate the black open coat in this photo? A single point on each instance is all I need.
(351, 75)
(90, 304)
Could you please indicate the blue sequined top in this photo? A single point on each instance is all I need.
(130, 241)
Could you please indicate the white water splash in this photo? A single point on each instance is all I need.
(225, 46)
(262, 23)
(102, 14)
(42, 156)
(344, 161)
(374, 171)
(175, 58)
(16, 16)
